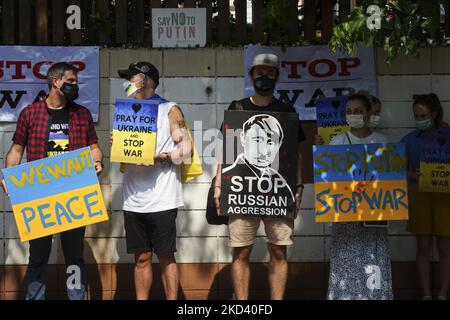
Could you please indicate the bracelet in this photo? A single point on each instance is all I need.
(301, 185)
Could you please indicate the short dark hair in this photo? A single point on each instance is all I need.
(57, 71)
(266, 122)
(361, 98)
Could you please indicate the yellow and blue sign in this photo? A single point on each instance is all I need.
(360, 182)
(330, 114)
(55, 194)
(134, 131)
(435, 163)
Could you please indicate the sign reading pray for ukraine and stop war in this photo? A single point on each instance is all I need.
(435, 164)
(361, 182)
(259, 172)
(134, 131)
(331, 121)
(55, 194)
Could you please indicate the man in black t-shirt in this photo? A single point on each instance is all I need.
(264, 73)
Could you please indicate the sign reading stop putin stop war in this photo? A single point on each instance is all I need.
(310, 73)
(259, 172)
(331, 119)
(361, 182)
(134, 131)
(435, 164)
(55, 194)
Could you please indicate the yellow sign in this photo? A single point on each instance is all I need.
(55, 194)
(134, 131)
(435, 163)
(360, 182)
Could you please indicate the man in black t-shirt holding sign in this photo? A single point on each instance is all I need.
(264, 73)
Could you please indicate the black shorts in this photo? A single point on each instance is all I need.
(151, 232)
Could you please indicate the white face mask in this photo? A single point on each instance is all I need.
(355, 120)
(374, 121)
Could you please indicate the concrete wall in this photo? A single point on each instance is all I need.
(185, 77)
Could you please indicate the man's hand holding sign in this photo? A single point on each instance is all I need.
(55, 194)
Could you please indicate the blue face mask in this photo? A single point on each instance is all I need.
(424, 125)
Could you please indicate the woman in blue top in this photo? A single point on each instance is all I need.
(428, 211)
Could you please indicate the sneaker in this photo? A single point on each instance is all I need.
(427, 298)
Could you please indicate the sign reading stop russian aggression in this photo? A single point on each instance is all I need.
(310, 73)
(134, 131)
(181, 27)
(361, 182)
(259, 172)
(55, 194)
(435, 164)
(23, 76)
(331, 119)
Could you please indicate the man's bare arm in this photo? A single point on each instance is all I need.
(180, 135)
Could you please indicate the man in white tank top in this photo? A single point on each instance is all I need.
(153, 194)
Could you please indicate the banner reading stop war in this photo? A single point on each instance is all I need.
(134, 131)
(55, 194)
(435, 163)
(23, 71)
(361, 182)
(314, 72)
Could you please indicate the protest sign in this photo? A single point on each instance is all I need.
(23, 76)
(435, 163)
(178, 27)
(331, 119)
(55, 194)
(260, 163)
(134, 131)
(361, 182)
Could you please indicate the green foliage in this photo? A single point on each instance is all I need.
(404, 26)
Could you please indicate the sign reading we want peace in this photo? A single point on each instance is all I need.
(360, 182)
(55, 194)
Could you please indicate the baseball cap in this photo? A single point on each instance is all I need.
(140, 67)
(265, 59)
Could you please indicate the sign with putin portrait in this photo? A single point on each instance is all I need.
(23, 76)
(55, 194)
(310, 73)
(134, 131)
(259, 171)
(360, 182)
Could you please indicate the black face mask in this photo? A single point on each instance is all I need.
(70, 91)
(264, 85)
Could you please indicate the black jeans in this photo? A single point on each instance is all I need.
(73, 247)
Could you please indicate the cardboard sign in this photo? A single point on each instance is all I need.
(180, 27)
(331, 119)
(55, 194)
(134, 131)
(259, 172)
(360, 182)
(23, 76)
(311, 73)
(435, 164)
